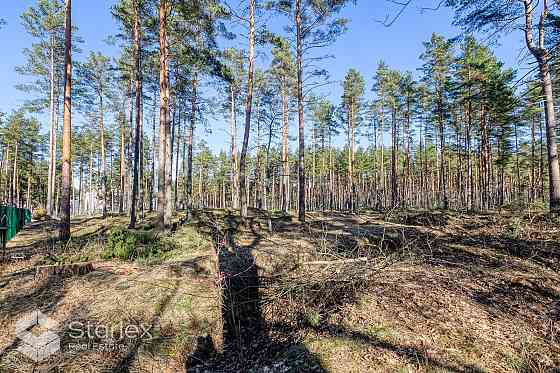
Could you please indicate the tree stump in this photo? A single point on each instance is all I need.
(66, 270)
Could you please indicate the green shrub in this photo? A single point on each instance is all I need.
(129, 245)
(313, 318)
(121, 244)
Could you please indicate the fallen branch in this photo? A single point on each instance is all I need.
(336, 262)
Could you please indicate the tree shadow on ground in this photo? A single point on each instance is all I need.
(126, 361)
(483, 268)
(495, 271)
(248, 344)
(411, 354)
(46, 295)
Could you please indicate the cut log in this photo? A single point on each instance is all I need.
(66, 270)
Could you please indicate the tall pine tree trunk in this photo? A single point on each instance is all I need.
(168, 159)
(137, 134)
(190, 135)
(248, 109)
(234, 165)
(163, 113)
(103, 157)
(67, 130)
(285, 194)
(542, 56)
(301, 124)
(52, 136)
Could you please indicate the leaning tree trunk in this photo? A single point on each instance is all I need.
(248, 109)
(67, 131)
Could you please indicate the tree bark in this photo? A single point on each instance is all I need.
(103, 157)
(190, 135)
(163, 113)
(137, 134)
(52, 137)
(552, 147)
(67, 130)
(248, 110)
(285, 153)
(542, 56)
(234, 164)
(301, 124)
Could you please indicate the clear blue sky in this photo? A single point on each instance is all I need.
(362, 47)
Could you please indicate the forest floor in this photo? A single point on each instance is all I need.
(406, 291)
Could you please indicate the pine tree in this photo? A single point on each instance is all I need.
(492, 16)
(45, 23)
(438, 59)
(94, 79)
(353, 91)
(67, 130)
(283, 70)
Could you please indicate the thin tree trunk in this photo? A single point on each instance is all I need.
(103, 157)
(234, 165)
(52, 137)
(248, 109)
(190, 135)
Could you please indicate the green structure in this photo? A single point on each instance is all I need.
(12, 220)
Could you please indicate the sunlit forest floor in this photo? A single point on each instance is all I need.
(403, 291)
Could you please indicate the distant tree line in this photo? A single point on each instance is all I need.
(461, 132)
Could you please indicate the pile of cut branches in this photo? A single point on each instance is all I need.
(329, 277)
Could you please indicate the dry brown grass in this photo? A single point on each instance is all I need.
(430, 292)
(176, 299)
(459, 293)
